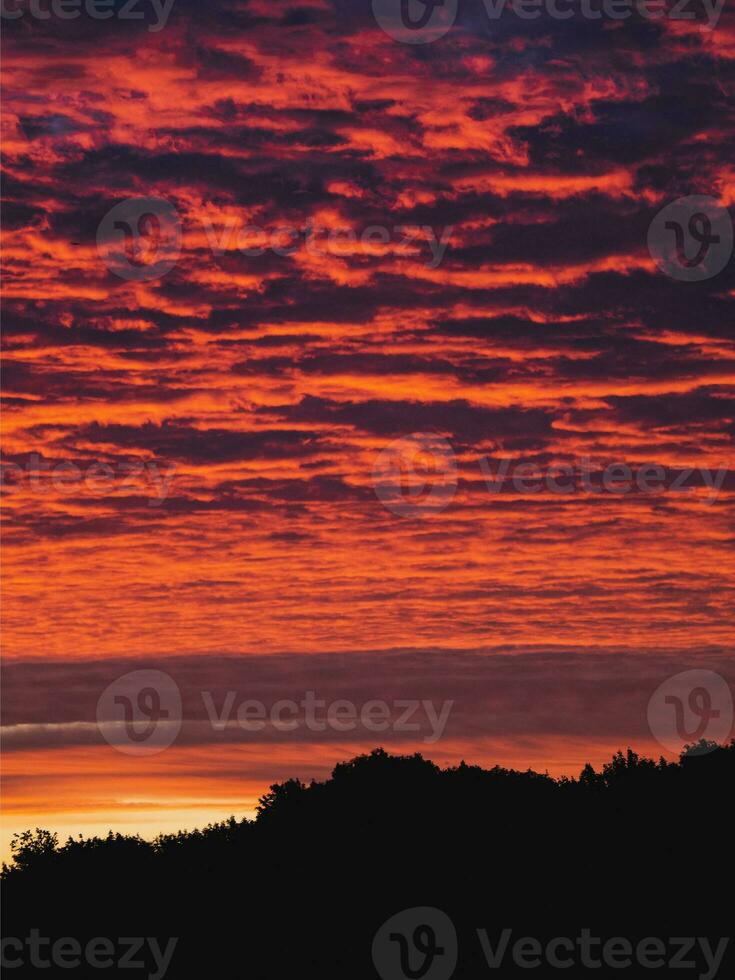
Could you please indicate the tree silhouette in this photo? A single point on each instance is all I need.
(626, 851)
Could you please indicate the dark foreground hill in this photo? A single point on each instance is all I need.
(627, 872)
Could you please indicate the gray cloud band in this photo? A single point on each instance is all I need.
(403, 697)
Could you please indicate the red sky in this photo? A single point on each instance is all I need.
(264, 388)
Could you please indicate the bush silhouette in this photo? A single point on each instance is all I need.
(627, 851)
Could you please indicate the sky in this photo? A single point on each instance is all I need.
(322, 343)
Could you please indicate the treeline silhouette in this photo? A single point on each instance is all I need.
(641, 848)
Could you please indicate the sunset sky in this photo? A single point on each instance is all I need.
(196, 476)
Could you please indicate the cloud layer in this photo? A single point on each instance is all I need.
(263, 384)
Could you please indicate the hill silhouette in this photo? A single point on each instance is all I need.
(640, 849)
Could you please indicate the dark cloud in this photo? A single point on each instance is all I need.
(675, 410)
(181, 442)
(397, 418)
